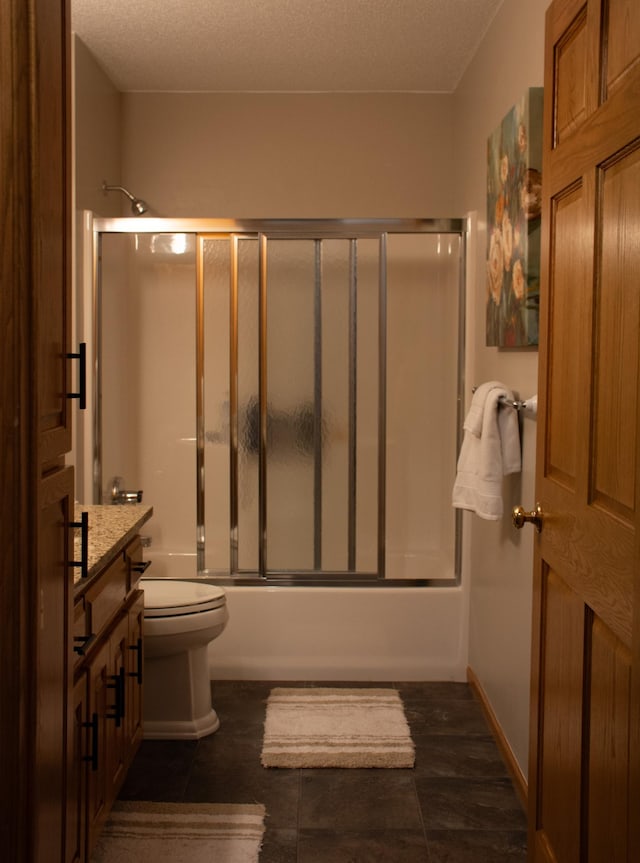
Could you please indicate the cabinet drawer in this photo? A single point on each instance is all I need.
(104, 599)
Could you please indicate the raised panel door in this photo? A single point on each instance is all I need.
(585, 759)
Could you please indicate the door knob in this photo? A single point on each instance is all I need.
(519, 517)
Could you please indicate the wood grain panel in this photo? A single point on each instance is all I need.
(103, 601)
(133, 716)
(18, 498)
(77, 782)
(608, 746)
(52, 221)
(561, 718)
(116, 738)
(617, 322)
(568, 337)
(584, 764)
(570, 91)
(593, 557)
(99, 700)
(53, 663)
(623, 38)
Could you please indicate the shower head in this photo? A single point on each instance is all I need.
(138, 206)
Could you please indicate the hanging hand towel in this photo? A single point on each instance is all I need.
(488, 456)
(475, 416)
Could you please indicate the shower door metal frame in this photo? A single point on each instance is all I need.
(320, 575)
(290, 229)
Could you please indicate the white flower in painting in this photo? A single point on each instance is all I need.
(495, 269)
(504, 169)
(517, 284)
(522, 138)
(507, 240)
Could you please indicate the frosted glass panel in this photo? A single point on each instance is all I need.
(291, 277)
(367, 402)
(216, 315)
(334, 310)
(248, 407)
(422, 371)
(148, 361)
(322, 395)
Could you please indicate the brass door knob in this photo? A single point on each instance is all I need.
(520, 517)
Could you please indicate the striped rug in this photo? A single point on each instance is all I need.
(138, 832)
(320, 727)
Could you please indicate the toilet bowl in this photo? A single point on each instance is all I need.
(181, 619)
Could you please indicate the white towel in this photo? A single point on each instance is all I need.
(490, 450)
(475, 416)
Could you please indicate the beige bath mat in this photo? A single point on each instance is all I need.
(138, 832)
(320, 727)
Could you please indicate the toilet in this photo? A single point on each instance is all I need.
(181, 618)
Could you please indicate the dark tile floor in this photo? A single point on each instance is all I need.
(457, 805)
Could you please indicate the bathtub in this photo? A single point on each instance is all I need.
(334, 633)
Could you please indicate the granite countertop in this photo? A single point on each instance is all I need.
(111, 527)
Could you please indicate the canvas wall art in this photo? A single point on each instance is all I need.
(514, 181)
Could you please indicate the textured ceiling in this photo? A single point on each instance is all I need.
(284, 45)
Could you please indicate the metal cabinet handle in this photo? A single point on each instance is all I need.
(520, 517)
(83, 563)
(93, 757)
(83, 643)
(138, 672)
(81, 395)
(118, 708)
(140, 566)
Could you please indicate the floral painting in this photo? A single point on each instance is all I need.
(514, 179)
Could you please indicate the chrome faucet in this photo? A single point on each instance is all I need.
(120, 495)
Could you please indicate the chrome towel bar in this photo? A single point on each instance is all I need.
(530, 406)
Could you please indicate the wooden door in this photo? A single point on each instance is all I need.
(584, 761)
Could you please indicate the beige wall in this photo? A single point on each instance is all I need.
(98, 134)
(509, 60)
(297, 156)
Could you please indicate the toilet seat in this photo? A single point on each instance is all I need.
(171, 597)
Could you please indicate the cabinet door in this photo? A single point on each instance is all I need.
(116, 731)
(100, 699)
(53, 663)
(83, 731)
(135, 676)
(52, 223)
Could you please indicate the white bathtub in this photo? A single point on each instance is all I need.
(334, 633)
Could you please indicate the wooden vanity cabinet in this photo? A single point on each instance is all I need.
(107, 696)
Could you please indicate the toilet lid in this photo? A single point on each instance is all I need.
(168, 597)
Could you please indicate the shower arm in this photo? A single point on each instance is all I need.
(137, 204)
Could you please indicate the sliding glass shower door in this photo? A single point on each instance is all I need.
(292, 399)
(284, 373)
